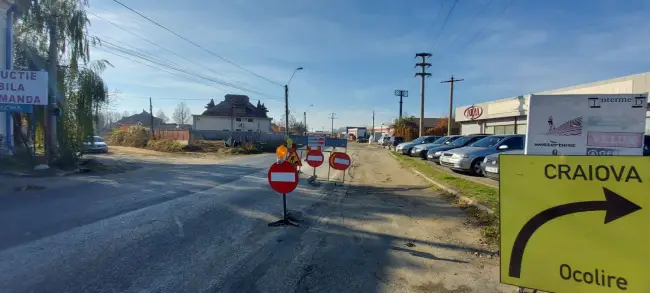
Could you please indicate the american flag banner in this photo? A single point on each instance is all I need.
(570, 128)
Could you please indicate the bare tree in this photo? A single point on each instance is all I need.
(182, 114)
(161, 114)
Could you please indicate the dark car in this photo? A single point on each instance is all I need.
(445, 140)
(394, 141)
(646, 146)
(458, 142)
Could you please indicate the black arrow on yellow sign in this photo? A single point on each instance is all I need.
(614, 205)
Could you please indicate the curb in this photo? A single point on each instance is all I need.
(450, 190)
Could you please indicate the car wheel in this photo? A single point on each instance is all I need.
(475, 168)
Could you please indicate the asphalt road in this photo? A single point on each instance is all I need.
(162, 228)
(202, 227)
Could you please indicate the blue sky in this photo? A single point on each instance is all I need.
(356, 53)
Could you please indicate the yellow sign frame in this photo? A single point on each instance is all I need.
(575, 223)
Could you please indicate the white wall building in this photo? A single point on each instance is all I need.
(508, 116)
(225, 123)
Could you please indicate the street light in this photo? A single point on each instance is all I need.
(286, 103)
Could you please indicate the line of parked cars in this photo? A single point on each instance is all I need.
(477, 154)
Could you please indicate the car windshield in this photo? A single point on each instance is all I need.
(461, 141)
(98, 139)
(487, 141)
(419, 139)
(440, 140)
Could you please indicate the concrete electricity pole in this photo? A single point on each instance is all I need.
(451, 82)
(332, 117)
(286, 102)
(373, 125)
(153, 134)
(401, 94)
(423, 74)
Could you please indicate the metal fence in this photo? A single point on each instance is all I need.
(242, 136)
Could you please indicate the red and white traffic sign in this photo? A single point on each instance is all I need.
(316, 141)
(283, 177)
(315, 158)
(340, 161)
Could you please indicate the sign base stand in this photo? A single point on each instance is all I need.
(286, 219)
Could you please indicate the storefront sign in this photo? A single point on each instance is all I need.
(23, 87)
(600, 125)
(473, 112)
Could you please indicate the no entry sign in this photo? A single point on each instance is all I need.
(340, 161)
(283, 177)
(315, 158)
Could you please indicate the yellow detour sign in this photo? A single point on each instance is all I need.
(575, 223)
(294, 159)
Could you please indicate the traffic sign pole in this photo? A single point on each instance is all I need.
(283, 178)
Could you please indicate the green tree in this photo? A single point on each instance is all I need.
(51, 30)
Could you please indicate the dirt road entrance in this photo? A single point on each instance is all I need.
(431, 244)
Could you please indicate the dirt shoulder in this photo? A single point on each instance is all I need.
(439, 247)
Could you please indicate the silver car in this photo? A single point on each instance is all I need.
(95, 144)
(406, 147)
(469, 158)
(490, 165)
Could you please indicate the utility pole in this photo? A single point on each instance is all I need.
(423, 74)
(50, 119)
(373, 125)
(286, 109)
(304, 121)
(332, 117)
(401, 94)
(153, 133)
(451, 82)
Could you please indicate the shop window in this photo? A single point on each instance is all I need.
(237, 129)
(510, 129)
(237, 119)
(521, 129)
(250, 120)
(489, 130)
(500, 129)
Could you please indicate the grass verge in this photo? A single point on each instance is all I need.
(488, 196)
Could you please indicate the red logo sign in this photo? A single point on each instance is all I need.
(315, 158)
(340, 161)
(283, 177)
(473, 112)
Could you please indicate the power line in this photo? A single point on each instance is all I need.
(161, 47)
(191, 74)
(186, 71)
(444, 24)
(197, 45)
(483, 8)
(484, 26)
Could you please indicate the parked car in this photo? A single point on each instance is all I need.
(383, 141)
(646, 146)
(490, 165)
(95, 144)
(395, 141)
(421, 150)
(458, 142)
(469, 158)
(406, 147)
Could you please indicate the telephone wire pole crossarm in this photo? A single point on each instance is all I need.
(451, 82)
(423, 74)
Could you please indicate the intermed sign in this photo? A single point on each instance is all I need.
(23, 87)
(595, 125)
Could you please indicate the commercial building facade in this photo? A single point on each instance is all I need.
(508, 116)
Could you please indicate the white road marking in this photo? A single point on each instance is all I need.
(180, 226)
